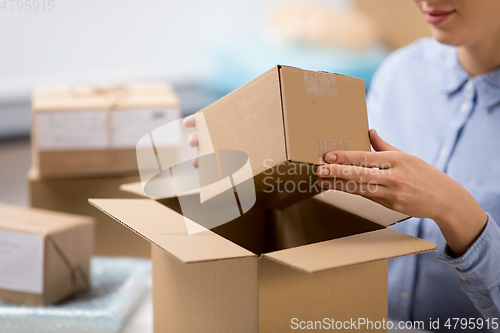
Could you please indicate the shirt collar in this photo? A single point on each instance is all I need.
(455, 77)
(489, 88)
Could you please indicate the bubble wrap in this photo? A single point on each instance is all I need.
(117, 286)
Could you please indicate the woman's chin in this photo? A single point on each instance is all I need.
(448, 37)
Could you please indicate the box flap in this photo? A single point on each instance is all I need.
(166, 229)
(322, 110)
(91, 97)
(347, 251)
(362, 207)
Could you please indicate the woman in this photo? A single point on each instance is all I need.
(439, 102)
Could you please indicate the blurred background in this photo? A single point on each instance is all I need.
(204, 48)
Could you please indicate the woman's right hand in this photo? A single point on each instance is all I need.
(188, 122)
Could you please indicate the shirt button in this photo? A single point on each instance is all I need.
(404, 295)
(443, 152)
(464, 107)
(469, 86)
(463, 278)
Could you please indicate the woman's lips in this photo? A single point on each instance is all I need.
(436, 17)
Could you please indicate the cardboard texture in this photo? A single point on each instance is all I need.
(399, 22)
(68, 241)
(84, 130)
(285, 120)
(311, 260)
(71, 196)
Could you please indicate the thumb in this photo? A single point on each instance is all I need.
(378, 144)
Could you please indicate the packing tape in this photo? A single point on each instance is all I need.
(320, 83)
(326, 146)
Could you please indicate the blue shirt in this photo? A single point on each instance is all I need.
(424, 103)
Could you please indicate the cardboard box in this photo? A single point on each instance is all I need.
(85, 130)
(284, 120)
(325, 257)
(399, 22)
(71, 196)
(44, 255)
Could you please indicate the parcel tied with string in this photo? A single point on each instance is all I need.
(44, 255)
(84, 130)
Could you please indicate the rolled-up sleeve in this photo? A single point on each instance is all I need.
(478, 270)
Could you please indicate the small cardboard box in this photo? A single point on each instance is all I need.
(70, 195)
(285, 120)
(44, 255)
(84, 130)
(324, 258)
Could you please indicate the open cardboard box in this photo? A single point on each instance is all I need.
(325, 257)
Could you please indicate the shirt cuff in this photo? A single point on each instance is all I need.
(478, 268)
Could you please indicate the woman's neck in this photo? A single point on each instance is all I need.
(480, 57)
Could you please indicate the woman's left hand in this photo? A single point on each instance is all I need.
(407, 184)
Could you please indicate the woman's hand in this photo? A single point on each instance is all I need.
(188, 122)
(407, 184)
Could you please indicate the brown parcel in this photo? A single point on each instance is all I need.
(325, 257)
(284, 118)
(151, 104)
(67, 250)
(71, 196)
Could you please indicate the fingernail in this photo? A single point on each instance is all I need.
(331, 157)
(323, 172)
